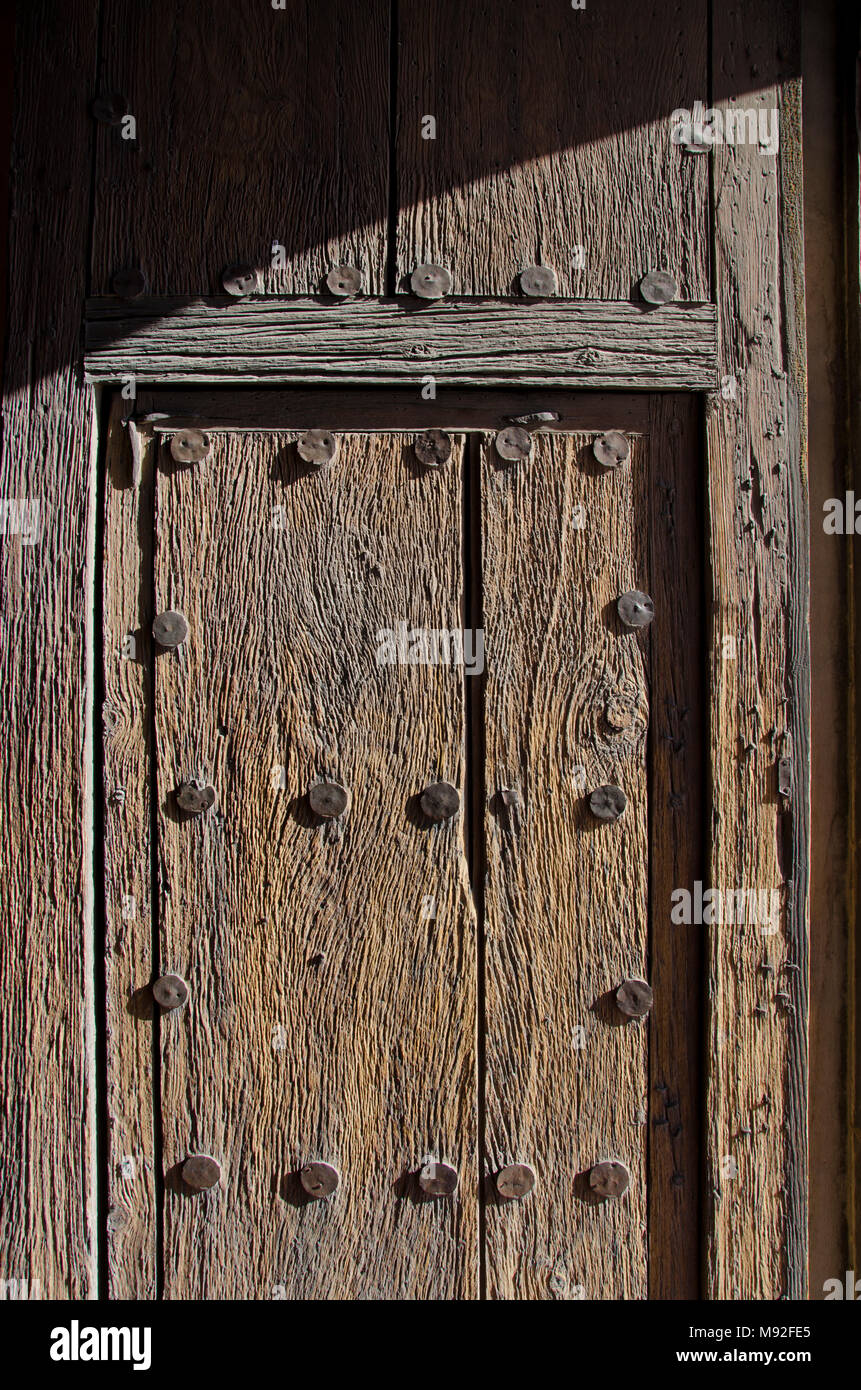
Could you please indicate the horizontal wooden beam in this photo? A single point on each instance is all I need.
(470, 342)
(393, 409)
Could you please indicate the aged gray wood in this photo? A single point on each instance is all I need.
(757, 1144)
(465, 342)
(47, 963)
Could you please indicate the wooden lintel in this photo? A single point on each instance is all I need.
(471, 342)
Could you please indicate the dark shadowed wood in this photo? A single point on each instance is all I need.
(375, 408)
(552, 132)
(760, 674)
(47, 968)
(461, 342)
(331, 963)
(254, 126)
(567, 708)
(676, 847)
(127, 724)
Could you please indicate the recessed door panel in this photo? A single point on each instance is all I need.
(330, 961)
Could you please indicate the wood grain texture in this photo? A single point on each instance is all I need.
(131, 1197)
(47, 1137)
(248, 133)
(558, 343)
(553, 132)
(677, 794)
(567, 897)
(760, 674)
(396, 408)
(332, 1014)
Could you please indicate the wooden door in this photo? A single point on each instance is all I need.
(378, 991)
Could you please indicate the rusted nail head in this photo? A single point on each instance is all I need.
(634, 998)
(612, 449)
(607, 802)
(433, 448)
(170, 628)
(190, 446)
(609, 1178)
(635, 608)
(513, 443)
(170, 991)
(201, 1172)
(440, 801)
(328, 799)
(515, 1181)
(538, 281)
(658, 287)
(319, 1179)
(317, 447)
(430, 281)
(344, 281)
(438, 1179)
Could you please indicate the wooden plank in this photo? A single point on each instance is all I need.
(47, 966)
(127, 723)
(248, 133)
(760, 674)
(567, 897)
(829, 44)
(398, 408)
(556, 343)
(332, 967)
(552, 133)
(676, 848)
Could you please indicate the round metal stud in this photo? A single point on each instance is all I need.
(440, 801)
(515, 1181)
(635, 608)
(344, 281)
(190, 446)
(658, 287)
(438, 1179)
(194, 800)
(609, 1178)
(612, 449)
(634, 998)
(129, 283)
(110, 109)
(170, 991)
(170, 629)
(433, 448)
(240, 280)
(201, 1172)
(319, 1179)
(328, 799)
(317, 447)
(430, 281)
(607, 802)
(538, 281)
(513, 443)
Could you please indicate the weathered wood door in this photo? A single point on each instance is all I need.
(378, 991)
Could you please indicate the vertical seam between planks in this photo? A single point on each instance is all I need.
(96, 682)
(95, 1196)
(155, 949)
(475, 799)
(391, 272)
(95, 910)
